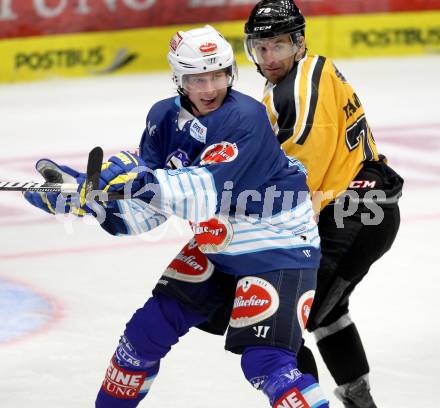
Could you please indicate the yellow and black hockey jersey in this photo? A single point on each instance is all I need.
(319, 120)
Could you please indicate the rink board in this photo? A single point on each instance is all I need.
(144, 50)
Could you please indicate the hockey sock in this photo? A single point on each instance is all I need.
(306, 362)
(342, 351)
(273, 370)
(128, 379)
(148, 337)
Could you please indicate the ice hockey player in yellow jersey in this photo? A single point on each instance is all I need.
(316, 104)
(319, 119)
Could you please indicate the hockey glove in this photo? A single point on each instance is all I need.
(122, 172)
(55, 203)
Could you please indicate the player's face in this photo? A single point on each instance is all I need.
(275, 56)
(207, 91)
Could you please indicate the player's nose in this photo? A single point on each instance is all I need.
(269, 58)
(209, 89)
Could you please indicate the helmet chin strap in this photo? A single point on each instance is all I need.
(187, 103)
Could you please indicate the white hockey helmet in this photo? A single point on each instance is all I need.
(199, 51)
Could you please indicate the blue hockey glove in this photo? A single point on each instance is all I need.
(55, 203)
(123, 172)
(119, 173)
(48, 202)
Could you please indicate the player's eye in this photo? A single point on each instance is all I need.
(199, 81)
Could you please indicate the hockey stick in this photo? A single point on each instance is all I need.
(94, 164)
(92, 192)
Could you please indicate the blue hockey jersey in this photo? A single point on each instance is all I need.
(248, 204)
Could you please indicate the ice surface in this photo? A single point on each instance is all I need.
(93, 282)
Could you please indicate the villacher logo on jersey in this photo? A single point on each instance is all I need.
(304, 306)
(240, 301)
(255, 300)
(190, 265)
(213, 235)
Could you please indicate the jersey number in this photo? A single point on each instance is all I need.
(357, 131)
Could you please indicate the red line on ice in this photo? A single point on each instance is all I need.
(89, 248)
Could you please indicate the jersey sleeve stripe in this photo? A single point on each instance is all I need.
(268, 101)
(294, 229)
(296, 92)
(306, 84)
(184, 213)
(137, 216)
(368, 150)
(186, 189)
(194, 209)
(170, 190)
(313, 87)
(207, 203)
(127, 216)
(189, 193)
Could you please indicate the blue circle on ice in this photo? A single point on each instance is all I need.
(22, 311)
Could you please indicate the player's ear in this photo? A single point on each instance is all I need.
(301, 48)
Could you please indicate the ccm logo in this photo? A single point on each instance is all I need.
(363, 184)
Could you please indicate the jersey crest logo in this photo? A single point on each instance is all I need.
(178, 159)
(303, 308)
(198, 131)
(190, 265)
(213, 235)
(255, 300)
(219, 153)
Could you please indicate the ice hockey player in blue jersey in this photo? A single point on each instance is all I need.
(209, 156)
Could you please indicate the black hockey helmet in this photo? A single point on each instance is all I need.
(270, 18)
